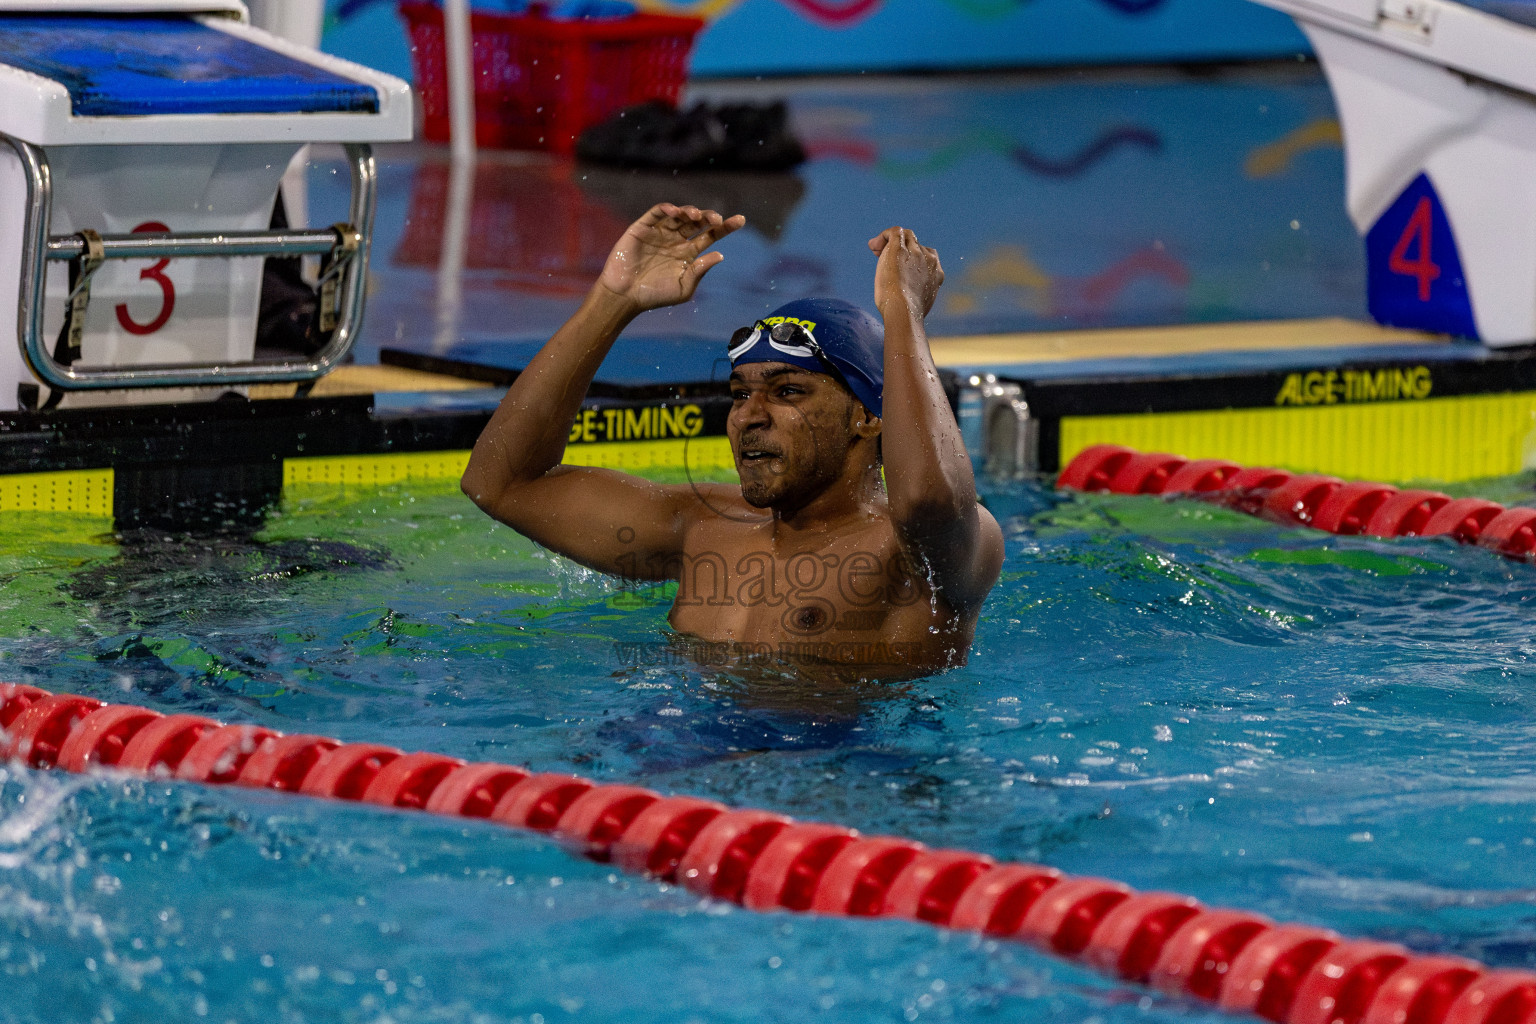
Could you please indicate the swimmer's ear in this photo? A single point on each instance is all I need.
(865, 425)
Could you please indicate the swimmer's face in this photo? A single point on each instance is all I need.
(790, 431)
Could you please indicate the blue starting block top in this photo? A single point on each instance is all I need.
(139, 65)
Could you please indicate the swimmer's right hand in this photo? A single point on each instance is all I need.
(661, 259)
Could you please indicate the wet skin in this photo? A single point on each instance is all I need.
(813, 555)
(803, 556)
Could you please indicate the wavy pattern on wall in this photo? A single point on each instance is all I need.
(1084, 159)
(866, 152)
(1008, 274)
(1275, 158)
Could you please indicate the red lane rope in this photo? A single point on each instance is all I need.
(1239, 961)
(1307, 499)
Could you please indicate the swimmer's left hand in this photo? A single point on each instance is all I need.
(908, 271)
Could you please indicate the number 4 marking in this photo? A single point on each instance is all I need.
(155, 273)
(1423, 268)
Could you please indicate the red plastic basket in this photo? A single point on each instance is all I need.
(540, 82)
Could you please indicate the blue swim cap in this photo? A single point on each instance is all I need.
(851, 338)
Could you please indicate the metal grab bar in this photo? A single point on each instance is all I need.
(170, 244)
(38, 248)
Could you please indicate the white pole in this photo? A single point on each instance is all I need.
(459, 45)
(451, 260)
(461, 79)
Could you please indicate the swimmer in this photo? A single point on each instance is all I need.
(813, 556)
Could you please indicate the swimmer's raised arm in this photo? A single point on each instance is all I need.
(929, 482)
(515, 474)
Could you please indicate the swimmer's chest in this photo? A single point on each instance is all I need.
(740, 586)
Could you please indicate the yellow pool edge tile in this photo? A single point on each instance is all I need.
(696, 454)
(373, 470)
(77, 491)
(700, 454)
(1451, 439)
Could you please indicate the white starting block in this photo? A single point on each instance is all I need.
(145, 136)
(1438, 106)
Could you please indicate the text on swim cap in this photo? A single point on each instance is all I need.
(809, 325)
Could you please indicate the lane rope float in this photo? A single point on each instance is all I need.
(1306, 499)
(1239, 961)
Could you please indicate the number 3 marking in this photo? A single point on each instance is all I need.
(155, 273)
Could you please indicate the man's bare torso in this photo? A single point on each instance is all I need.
(845, 592)
(851, 472)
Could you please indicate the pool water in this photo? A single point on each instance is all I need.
(1329, 730)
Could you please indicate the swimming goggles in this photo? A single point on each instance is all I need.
(788, 337)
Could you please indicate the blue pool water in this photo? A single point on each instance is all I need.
(1324, 729)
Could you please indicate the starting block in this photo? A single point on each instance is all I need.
(1438, 105)
(145, 140)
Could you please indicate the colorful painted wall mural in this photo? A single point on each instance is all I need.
(1058, 202)
(773, 37)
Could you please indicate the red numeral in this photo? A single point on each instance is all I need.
(156, 274)
(1424, 268)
